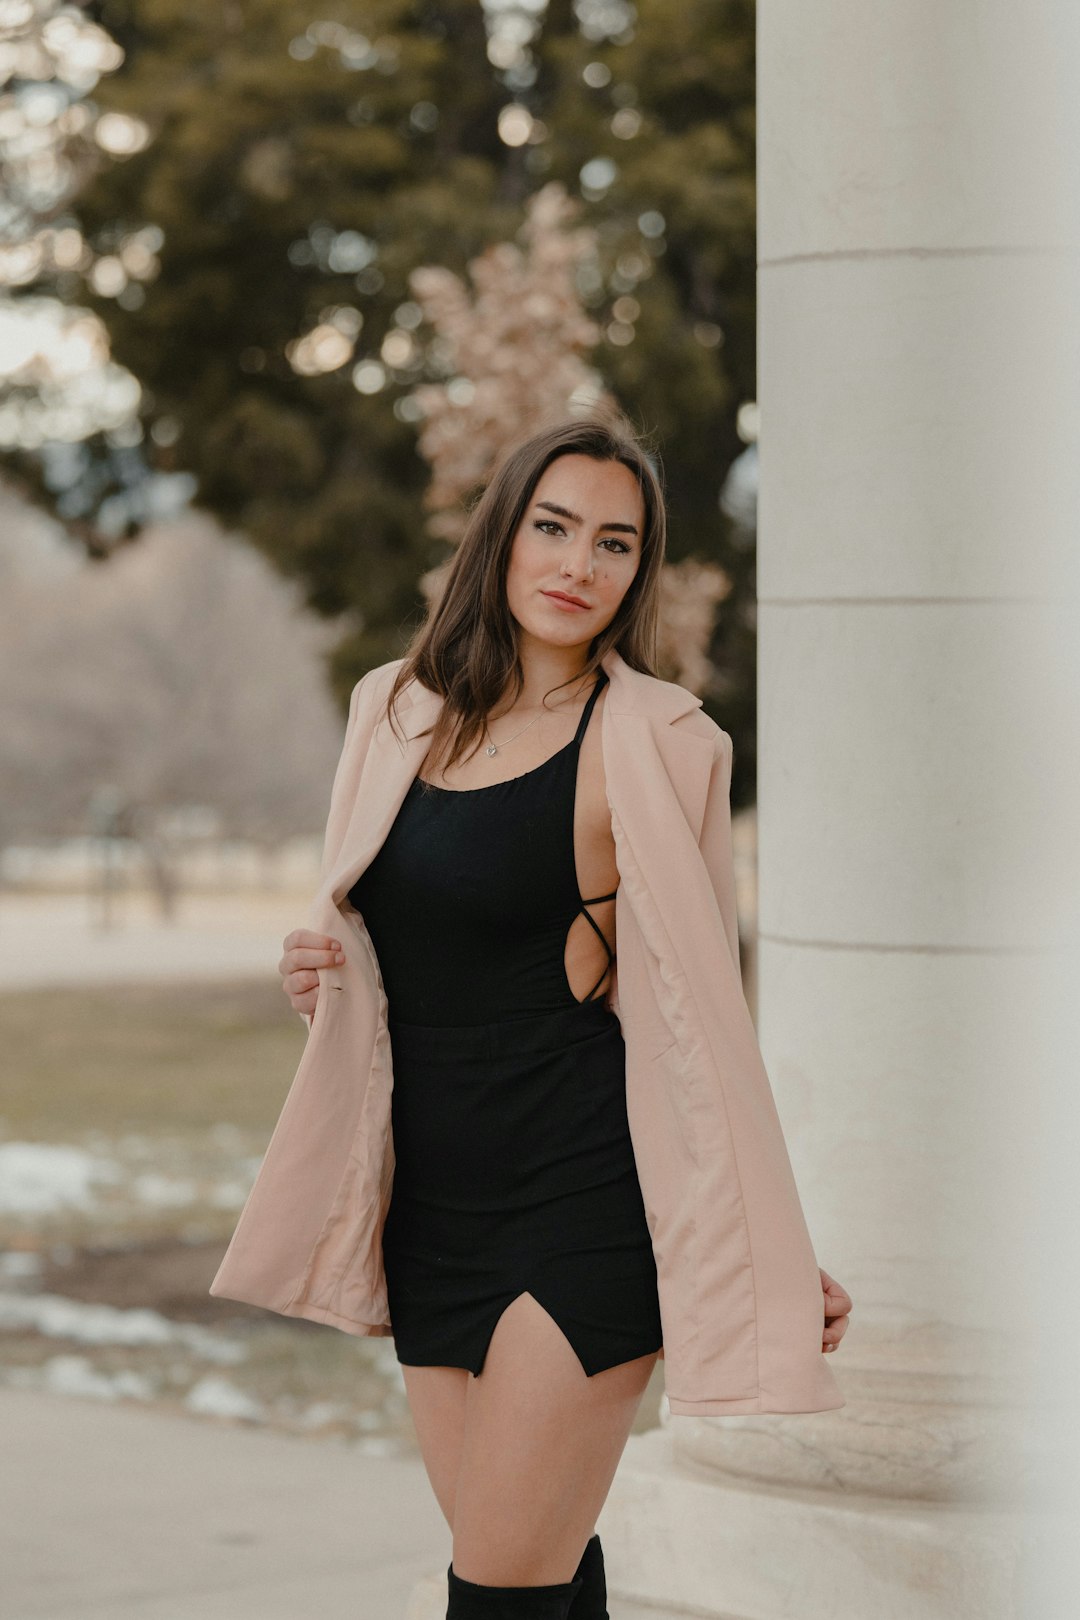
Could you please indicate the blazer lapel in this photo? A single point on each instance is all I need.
(388, 772)
(638, 716)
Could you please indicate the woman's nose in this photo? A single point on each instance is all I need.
(578, 564)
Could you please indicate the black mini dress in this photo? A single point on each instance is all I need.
(514, 1170)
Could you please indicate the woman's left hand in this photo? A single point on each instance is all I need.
(837, 1307)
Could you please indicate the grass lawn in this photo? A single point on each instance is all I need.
(132, 1121)
(176, 1058)
(158, 1102)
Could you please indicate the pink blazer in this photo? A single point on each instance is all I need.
(740, 1297)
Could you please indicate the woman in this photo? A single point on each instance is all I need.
(517, 1250)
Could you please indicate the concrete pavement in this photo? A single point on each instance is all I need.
(119, 1512)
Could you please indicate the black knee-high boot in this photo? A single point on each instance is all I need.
(591, 1601)
(467, 1600)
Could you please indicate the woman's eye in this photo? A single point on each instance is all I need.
(546, 523)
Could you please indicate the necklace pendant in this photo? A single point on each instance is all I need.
(491, 749)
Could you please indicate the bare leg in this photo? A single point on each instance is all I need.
(437, 1403)
(540, 1447)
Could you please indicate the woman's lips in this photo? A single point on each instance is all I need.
(561, 602)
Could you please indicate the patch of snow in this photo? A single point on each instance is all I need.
(163, 1192)
(20, 1263)
(323, 1412)
(76, 1375)
(229, 1194)
(60, 1318)
(215, 1396)
(37, 1178)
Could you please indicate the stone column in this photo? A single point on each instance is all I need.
(918, 290)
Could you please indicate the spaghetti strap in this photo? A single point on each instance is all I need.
(588, 709)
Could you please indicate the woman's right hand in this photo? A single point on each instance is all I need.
(304, 952)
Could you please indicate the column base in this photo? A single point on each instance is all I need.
(681, 1540)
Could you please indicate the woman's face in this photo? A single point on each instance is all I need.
(581, 534)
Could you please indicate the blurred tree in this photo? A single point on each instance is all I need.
(649, 110)
(162, 678)
(298, 169)
(517, 341)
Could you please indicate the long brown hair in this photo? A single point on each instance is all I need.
(467, 648)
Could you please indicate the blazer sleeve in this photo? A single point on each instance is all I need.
(342, 796)
(716, 844)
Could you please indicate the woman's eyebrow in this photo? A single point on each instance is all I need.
(562, 511)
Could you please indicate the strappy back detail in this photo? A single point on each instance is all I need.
(599, 932)
(582, 904)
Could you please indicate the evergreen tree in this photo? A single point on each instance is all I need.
(298, 170)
